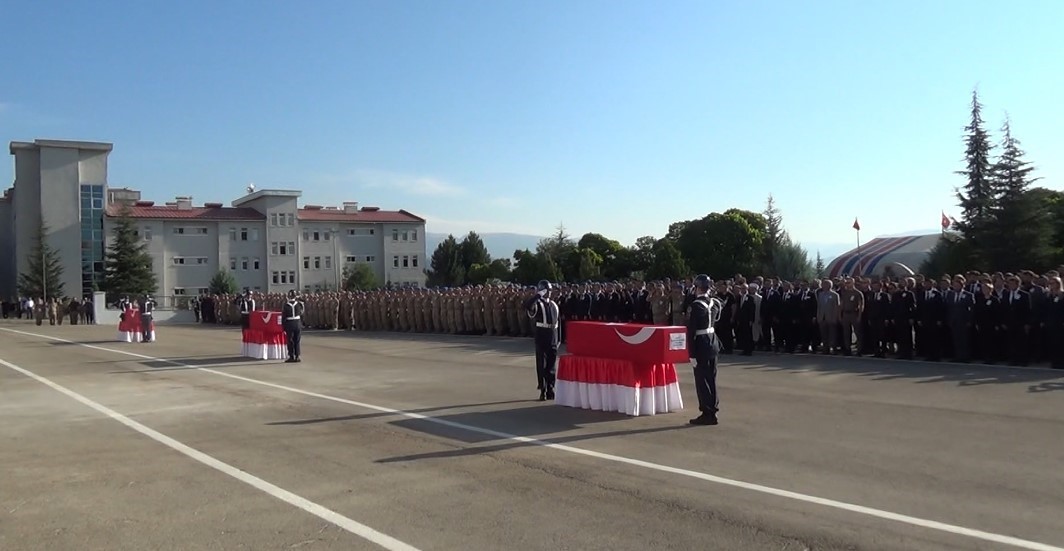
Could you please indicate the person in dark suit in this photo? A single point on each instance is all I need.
(960, 305)
(931, 309)
(791, 319)
(725, 325)
(877, 311)
(810, 330)
(1016, 304)
(1054, 316)
(986, 317)
(703, 349)
(745, 314)
(903, 314)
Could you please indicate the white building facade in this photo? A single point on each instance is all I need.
(265, 239)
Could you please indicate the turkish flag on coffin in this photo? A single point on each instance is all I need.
(641, 344)
(266, 321)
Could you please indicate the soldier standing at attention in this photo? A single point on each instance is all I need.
(147, 306)
(247, 306)
(544, 312)
(703, 347)
(292, 320)
(851, 306)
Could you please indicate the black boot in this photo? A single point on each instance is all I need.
(542, 395)
(705, 419)
(550, 393)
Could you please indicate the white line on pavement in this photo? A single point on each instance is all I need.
(319, 511)
(850, 507)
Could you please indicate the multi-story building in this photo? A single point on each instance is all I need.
(265, 239)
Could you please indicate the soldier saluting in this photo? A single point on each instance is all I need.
(146, 307)
(544, 312)
(292, 320)
(703, 347)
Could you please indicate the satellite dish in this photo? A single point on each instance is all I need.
(251, 187)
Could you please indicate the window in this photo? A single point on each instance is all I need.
(405, 236)
(326, 235)
(406, 261)
(413, 235)
(351, 259)
(328, 262)
(232, 234)
(232, 263)
(256, 264)
(244, 263)
(360, 231)
(146, 233)
(317, 262)
(204, 290)
(306, 235)
(306, 262)
(190, 261)
(371, 259)
(395, 235)
(283, 248)
(414, 258)
(273, 248)
(291, 247)
(395, 261)
(292, 278)
(273, 219)
(196, 230)
(291, 219)
(275, 277)
(284, 277)
(179, 291)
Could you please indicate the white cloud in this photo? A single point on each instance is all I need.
(406, 183)
(436, 224)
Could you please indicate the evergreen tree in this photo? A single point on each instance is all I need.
(446, 264)
(128, 265)
(360, 277)
(44, 271)
(223, 283)
(791, 261)
(775, 236)
(977, 198)
(472, 251)
(1022, 231)
(819, 266)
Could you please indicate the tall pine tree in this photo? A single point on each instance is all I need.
(128, 265)
(1021, 237)
(775, 236)
(44, 270)
(446, 264)
(819, 266)
(977, 198)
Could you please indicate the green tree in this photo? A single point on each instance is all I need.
(359, 277)
(721, 244)
(642, 253)
(500, 269)
(791, 261)
(223, 283)
(128, 265)
(819, 266)
(446, 264)
(667, 262)
(977, 198)
(472, 251)
(950, 255)
(775, 236)
(44, 270)
(1053, 203)
(1022, 227)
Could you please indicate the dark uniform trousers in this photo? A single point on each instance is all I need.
(546, 356)
(705, 349)
(292, 322)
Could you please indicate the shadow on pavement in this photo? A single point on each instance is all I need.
(177, 364)
(963, 375)
(480, 450)
(364, 416)
(79, 343)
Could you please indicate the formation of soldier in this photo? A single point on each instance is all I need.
(52, 310)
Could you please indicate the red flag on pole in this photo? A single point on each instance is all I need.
(856, 226)
(945, 221)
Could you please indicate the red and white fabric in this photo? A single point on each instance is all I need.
(265, 339)
(606, 384)
(130, 330)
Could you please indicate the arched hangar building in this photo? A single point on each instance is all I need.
(897, 256)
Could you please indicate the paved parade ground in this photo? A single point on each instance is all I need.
(403, 441)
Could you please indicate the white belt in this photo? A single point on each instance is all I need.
(291, 319)
(709, 331)
(546, 325)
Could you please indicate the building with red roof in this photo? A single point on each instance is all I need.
(265, 238)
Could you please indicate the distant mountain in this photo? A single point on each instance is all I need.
(499, 245)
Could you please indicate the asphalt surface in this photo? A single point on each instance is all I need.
(437, 443)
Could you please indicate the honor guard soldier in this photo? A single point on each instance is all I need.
(544, 313)
(292, 318)
(703, 346)
(146, 307)
(247, 306)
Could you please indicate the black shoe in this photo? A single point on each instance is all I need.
(704, 419)
(298, 360)
(550, 394)
(290, 361)
(542, 396)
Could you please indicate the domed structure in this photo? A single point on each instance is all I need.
(896, 256)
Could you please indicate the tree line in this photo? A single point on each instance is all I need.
(1006, 223)
(720, 244)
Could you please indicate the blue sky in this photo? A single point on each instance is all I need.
(616, 117)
